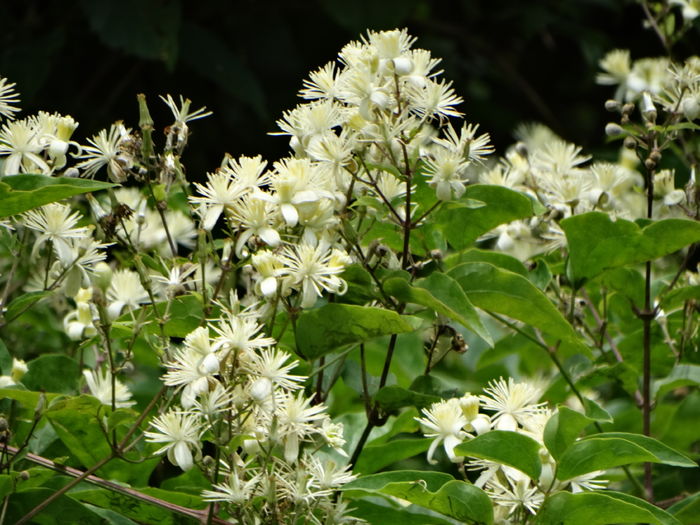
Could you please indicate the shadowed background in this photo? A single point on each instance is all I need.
(511, 61)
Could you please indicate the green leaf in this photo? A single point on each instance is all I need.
(508, 448)
(502, 260)
(497, 290)
(63, 509)
(329, 327)
(22, 303)
(687, 510)
(432, 490)
(680, 295)
(184, 315)
(377, 457)
(393, 397)
(373, 512)
(19, 193)
(600, 508)
(463, 226)
(52, 373)
(681, 375)
(5, 360)
(562, 429)
(597, 243)
(443, 294)
(29, 399)
(608, 450)
(141, 511)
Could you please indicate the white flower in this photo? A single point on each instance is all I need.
(295, 418)
(125, 290)
(444, 421)
(8, 97)
(105, 150)
(57, 224)
(180, 432)
(19, 143)
(513, 402)
(221, 192)
(100, 385)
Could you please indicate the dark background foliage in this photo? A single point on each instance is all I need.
(512, 61)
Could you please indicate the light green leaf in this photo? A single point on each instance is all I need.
(508, 448)
(596, 242)
(334, 325)
(442, 294)
(608, 450)
(377, 457)
(600, 508)
(19, 193)
(22, 303)
(462, 226)
(496, 290)
(432, 490)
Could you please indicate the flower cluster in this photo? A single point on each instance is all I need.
(510, 406)
(236, 389)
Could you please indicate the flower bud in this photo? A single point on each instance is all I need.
(613, 105)
(403, 65)
(647, 108)
(613, 129)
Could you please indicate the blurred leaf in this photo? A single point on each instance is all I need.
(211, 57)
(687, 511)
(52, 373)
(597, 243)
(508, 448)
(433, 490)
(184, 315)
(608, 450)
(19, 193)
(147, 29)
(600, 508)
(378, 457)
(681, 375)
(463, 226)
(369, 14)
(393, 397)
(22, 303)
(5, 360)
(497, 290)
(442, 294)
(679, 295)
(329, 327)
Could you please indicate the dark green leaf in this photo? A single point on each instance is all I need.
(329, 327)
(19, 193)
(508, 448)
(681, 375)
(600, 508)
(52, 373)
(463, 226)
(65, 509)
(496, 290)
(377, 457)
(443, 294)
(149, 30)
(373, 512)
(596, 242)
(5, 360)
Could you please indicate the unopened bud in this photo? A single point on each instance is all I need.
(436, 254)
(648, 109)
(630, 143)
(24, 475)
(613, 130)
(521, 149)
(655, 155)
(628, 108)
(649, 164)
(613, 105)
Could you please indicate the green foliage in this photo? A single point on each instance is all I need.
(505, 447)
(19, 193)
